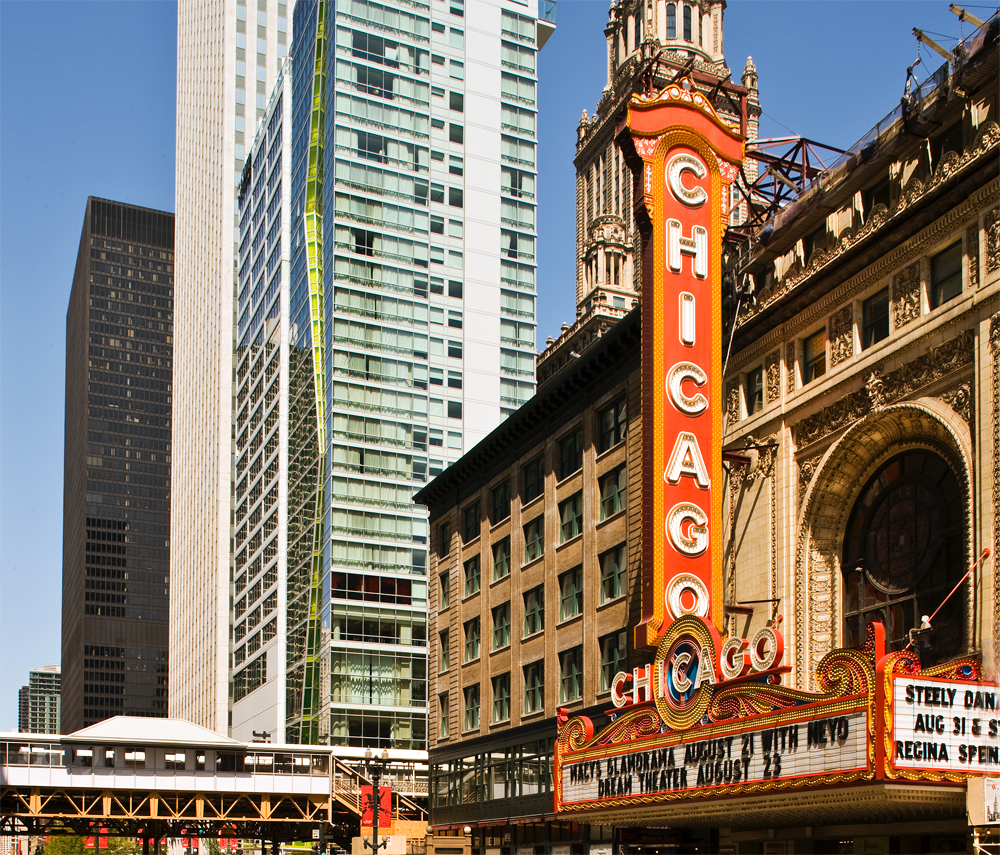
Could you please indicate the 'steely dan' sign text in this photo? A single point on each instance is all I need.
(945, 725)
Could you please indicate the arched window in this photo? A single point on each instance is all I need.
(671, 21)
(904, 550)
(687, 23)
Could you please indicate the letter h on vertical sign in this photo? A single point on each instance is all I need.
(689, 158)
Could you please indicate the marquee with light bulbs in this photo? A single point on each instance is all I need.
(709, 716)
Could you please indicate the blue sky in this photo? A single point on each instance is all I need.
(87, 107)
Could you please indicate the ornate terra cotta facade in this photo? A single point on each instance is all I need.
(845, 691)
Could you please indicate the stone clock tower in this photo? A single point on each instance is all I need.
(650, 43)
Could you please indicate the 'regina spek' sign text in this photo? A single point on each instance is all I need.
(709, 716)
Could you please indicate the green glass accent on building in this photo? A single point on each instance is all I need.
(313, 221)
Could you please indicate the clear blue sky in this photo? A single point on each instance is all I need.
(87, 107)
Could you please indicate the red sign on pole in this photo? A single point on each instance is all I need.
(384, 807)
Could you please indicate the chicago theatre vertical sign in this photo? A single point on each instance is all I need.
(690, 158)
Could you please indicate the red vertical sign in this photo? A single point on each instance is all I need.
(689, 158)
(384, 807)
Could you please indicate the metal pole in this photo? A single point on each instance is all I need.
(376, 779)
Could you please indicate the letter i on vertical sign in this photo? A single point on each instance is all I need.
(690, 156)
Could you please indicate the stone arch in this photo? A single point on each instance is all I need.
(839, 478)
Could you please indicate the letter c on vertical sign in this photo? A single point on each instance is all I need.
(697, 403)
(676, 167)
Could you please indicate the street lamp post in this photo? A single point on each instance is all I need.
(374, 767)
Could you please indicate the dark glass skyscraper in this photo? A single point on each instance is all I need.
(116, 511)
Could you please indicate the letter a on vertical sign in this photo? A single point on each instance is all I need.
(690, 157)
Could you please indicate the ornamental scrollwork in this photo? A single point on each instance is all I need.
(906, 296)
(841, 335)
(993, 240)
(960, 400)
(772, 377)
(884, 390)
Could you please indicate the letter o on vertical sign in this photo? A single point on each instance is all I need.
(695, 542)
(688, 583)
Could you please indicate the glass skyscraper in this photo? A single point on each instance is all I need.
(116, 506)
(410, 335)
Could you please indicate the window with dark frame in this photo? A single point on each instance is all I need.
(571, 593)
(534, 610)
(444, 589)
(611, 425)
(613, 656)
(534, 539)
(875, 319)
(613, 492)
(533, 479)
(470, 522)
(570, 453)
(473, 575)
(443, 654)
(613, 569)
(445, 534)
(877, 194)
(500, 496)
(501, 625)
(443, 715)
(501, 697)
(471, 633)
(534, 687)
(501, 558)
(571, 517)
(755, 390)
(571, 674)
(946, 275)
(948, 140)
(814, 356)
(471, 694)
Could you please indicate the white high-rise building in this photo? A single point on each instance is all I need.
(228, 56)
(385, 322)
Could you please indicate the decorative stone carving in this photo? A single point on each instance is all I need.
(732, 403)
(821, 606)
(807, 469)
(875, 389)
(841, 335)
(972, 249)
(901, 383)
(767, 453)
(986, 140)
(790, 366)
(993, 240)
(960, 400)
(906, 296)
(772, 377)
(995, 333)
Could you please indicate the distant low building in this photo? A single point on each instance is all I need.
(39, 701)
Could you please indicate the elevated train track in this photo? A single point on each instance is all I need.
(164, 778)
